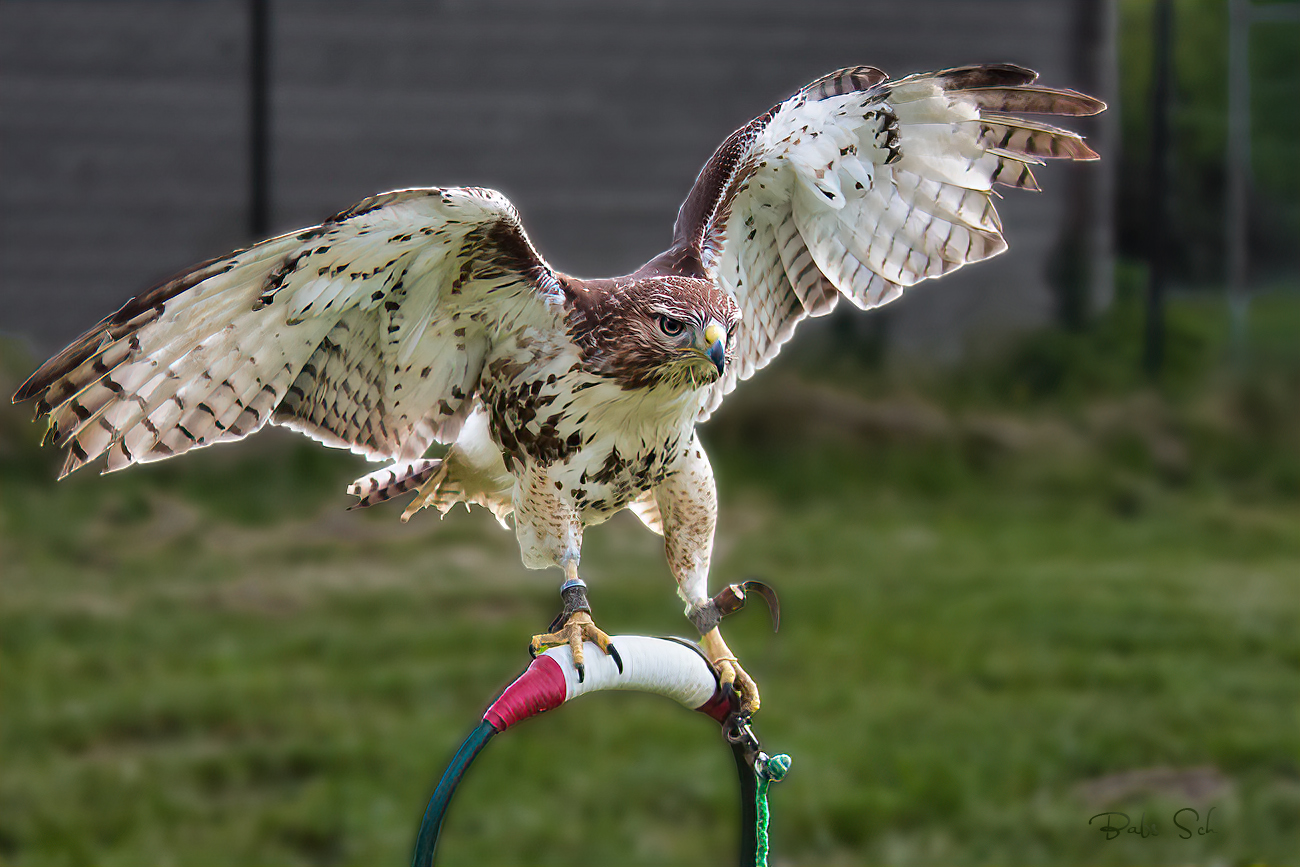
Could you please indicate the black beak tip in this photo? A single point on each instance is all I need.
(718, 355)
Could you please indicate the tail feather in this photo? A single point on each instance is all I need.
(392, 481)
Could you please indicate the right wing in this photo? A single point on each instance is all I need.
(861, 186)
(368, 332)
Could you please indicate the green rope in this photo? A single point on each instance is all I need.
(772, 770)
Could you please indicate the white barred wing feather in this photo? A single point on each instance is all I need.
(862, 186)
(368, 332)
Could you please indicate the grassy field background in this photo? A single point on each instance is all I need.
(1015, 596)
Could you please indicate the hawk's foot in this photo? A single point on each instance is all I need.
(574, 627)
(705, 615)
(730, 674)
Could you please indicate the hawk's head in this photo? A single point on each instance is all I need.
(673, 332)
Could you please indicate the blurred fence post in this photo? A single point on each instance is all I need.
(1081, 268)
(259, 138)
(1153, 351)
(1242, 14)
(1238, 167)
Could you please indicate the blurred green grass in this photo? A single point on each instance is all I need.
(1012, 594)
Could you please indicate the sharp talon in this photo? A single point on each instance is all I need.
(618, 660)
(769, 596)
(582, 672)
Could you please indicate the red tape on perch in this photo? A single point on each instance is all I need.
(538, 689)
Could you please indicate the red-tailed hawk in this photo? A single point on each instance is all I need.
(426, 315)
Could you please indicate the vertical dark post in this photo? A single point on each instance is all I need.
(1157, 255)
(259, 139)
(1078, 251)
(1238, 168)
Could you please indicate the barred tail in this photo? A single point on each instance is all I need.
(392, 481)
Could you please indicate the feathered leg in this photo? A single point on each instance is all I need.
(687, 503)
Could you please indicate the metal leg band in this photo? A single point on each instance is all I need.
(574, 594)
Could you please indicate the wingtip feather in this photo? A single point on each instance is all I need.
(987, 75)
(1033, 99)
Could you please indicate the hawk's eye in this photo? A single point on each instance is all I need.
(671, 327)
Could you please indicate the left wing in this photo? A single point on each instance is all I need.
(861, 186)
(368, 332)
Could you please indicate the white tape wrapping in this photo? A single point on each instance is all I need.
(657, 665)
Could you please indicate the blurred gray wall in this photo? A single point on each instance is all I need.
(123, 129)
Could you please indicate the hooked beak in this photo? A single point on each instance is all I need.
(715, 338)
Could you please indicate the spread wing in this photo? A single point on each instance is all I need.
(861, 186)
(367, 332)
